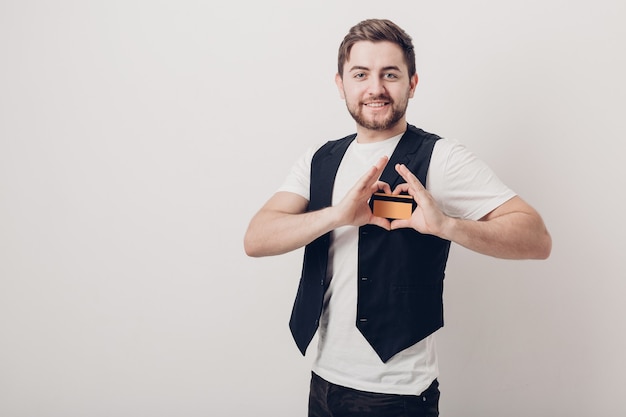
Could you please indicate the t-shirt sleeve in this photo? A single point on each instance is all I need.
(298, 179)
(462, 185)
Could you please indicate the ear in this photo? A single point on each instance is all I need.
(413, 84)
(339, 83)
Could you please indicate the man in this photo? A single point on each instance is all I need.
(372, 286)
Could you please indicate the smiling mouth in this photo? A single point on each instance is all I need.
(377, 104)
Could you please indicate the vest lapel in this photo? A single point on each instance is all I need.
(403, 154)
(321, 195)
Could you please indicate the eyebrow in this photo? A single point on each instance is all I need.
(388, 68)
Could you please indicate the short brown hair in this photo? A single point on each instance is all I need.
(377, 30)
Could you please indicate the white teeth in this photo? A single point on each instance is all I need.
(375, 104)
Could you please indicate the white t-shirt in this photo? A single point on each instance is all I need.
(463, 187)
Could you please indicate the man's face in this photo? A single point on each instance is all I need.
(376, 85)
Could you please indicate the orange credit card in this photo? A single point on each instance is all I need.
(392, 206)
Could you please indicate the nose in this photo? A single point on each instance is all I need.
(376, 87)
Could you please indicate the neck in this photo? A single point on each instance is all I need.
(365, 135)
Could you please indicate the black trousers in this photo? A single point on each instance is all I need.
(329, 400)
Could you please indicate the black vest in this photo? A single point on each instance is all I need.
(400, 272)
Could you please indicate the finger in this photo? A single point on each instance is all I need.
(381, 222)
(409, 177)
(381, 163)
(373, 173)
(400, 224)
(402, 188)
(381, 186)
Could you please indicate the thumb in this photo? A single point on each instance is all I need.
(400, 224)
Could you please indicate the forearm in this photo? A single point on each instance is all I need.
(273, 232)
(517, 235)
(284, 224)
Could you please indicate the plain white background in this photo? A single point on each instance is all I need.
(137, 139)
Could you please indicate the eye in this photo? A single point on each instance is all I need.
(359, 75)
(391, 76)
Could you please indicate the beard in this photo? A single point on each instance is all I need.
(379, 124)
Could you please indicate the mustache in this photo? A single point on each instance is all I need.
(382, 97)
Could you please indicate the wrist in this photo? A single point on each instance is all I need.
(448, 227)
(335, 217)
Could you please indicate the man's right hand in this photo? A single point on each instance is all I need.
(354, 209)
(283, 224)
